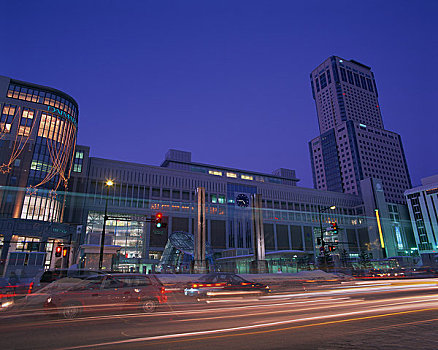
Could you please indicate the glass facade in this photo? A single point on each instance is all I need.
(32, 94)
(178, 253)
(124, 232)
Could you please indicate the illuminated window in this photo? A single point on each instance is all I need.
(7, 117)
(38, 96)
(221, 199)
(36, 165)
(26, 122)
(40, 208)
(246, 177)
(77, 165)
(232, 175)
(53, 128)
(215, 172)
(23, 243)
(77, 168)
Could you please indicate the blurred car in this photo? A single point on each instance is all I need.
(107, 293)
(397, 272)
(220, 284)
(15, 286)
(6, 294)
(360, 273)
(51, 276)
(423, 272)
(52, 281)
(379, 273)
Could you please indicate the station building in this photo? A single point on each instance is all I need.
(52, 192)
(290, 213)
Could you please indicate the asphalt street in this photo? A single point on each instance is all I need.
(399, 314)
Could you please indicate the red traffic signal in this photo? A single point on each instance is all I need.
(58, 251)
(331, 248)
(158, 217)
(64, 252)
(334, 227)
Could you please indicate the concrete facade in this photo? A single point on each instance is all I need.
(423, 210)
(353, 144)
(290, 213)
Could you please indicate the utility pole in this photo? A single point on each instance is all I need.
(108, 184)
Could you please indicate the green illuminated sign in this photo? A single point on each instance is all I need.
(62, 114)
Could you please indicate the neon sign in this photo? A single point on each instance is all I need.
(62, 114)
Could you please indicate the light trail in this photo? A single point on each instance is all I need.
(260, 325)
(316, 302)
(378, 286)
(334, 304)
(360, 290)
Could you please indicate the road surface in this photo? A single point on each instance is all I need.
(398, 314)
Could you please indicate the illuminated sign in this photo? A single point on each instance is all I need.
(62, 114)
(382, 243)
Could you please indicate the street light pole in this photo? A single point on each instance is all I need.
(108, 184)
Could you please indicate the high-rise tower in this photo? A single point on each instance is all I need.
(353, 144)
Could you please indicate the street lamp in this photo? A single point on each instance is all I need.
(321, 210)
(296, 262)
(108, 184)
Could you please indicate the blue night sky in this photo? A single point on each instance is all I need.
(226, 80)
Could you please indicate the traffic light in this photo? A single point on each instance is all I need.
(334, 228)
(318, 240)
(331, 248)
(58, 251)
(64, 252)
(158, 218)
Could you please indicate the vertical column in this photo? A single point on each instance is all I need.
(199, 263)
(227, 233)
(147, 229)
(259, 264)
(275, 237)
(190, 223)
(303, 237)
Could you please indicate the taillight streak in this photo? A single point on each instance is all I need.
(200, 285)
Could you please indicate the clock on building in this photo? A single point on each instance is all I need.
(242, 200)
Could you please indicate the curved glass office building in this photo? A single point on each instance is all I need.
(38, 128)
